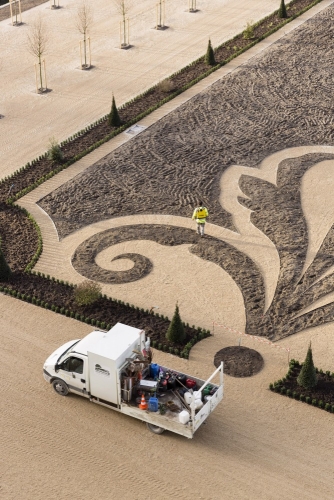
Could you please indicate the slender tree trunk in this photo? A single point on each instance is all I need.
(85, 50)
(160, 22)
(40, 72)
(124, 24)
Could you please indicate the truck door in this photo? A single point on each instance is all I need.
(74, 371)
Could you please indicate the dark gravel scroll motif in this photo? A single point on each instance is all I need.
(282, 98)
(277, 211)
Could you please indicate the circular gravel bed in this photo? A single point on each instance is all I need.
(239, 361)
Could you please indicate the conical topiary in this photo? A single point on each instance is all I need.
(282, 10)
(5, 271)
(210, 56)
(114, 119)
(175, 332)
(307, 377)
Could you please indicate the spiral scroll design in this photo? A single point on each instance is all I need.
(240, 267)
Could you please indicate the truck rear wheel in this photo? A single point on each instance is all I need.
(155, 429)
(60, 387)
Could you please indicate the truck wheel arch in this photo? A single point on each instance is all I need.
(60, 386)
(155, 428)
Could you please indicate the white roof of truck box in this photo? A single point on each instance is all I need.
(109, 344)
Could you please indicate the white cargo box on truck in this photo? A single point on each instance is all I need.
(106, 356)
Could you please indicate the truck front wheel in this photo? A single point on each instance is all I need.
(155, 429)
(60, 387)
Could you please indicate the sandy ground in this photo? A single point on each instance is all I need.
(256, 445)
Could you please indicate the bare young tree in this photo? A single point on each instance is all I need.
(84, 23)
(37, 44)
(123, 7)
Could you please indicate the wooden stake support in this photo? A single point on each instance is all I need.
(192, 6)
(16, 12)
(161, 11)
(124, 36)
(82, 59)
(42, 89)
(54, 4)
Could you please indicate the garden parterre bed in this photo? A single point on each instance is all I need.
(322, 395)
(19, 242)
(19, 239)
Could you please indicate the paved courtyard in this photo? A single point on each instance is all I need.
(78, 98)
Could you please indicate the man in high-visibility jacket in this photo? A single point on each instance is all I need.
(200, 214)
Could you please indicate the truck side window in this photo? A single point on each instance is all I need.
(73, 364)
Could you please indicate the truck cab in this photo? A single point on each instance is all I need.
(89, 366)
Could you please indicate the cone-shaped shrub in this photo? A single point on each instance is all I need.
(55, 153)
(282, 10)
(210, 56)
(307, 377)
(175, 332)
(114, 119)
(5, 271)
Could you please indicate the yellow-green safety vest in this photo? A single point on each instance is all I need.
(201, 213)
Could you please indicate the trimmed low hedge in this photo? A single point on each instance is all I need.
(184, 353)
(279, 388)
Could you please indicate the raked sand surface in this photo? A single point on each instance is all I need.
(256, 445)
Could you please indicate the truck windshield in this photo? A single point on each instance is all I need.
(59, 360)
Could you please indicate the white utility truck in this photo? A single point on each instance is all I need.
(115, 369)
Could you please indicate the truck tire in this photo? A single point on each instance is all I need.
(60, 387)
(155, 429)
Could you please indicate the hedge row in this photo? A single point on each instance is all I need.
(280, 388)
(200, 335)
